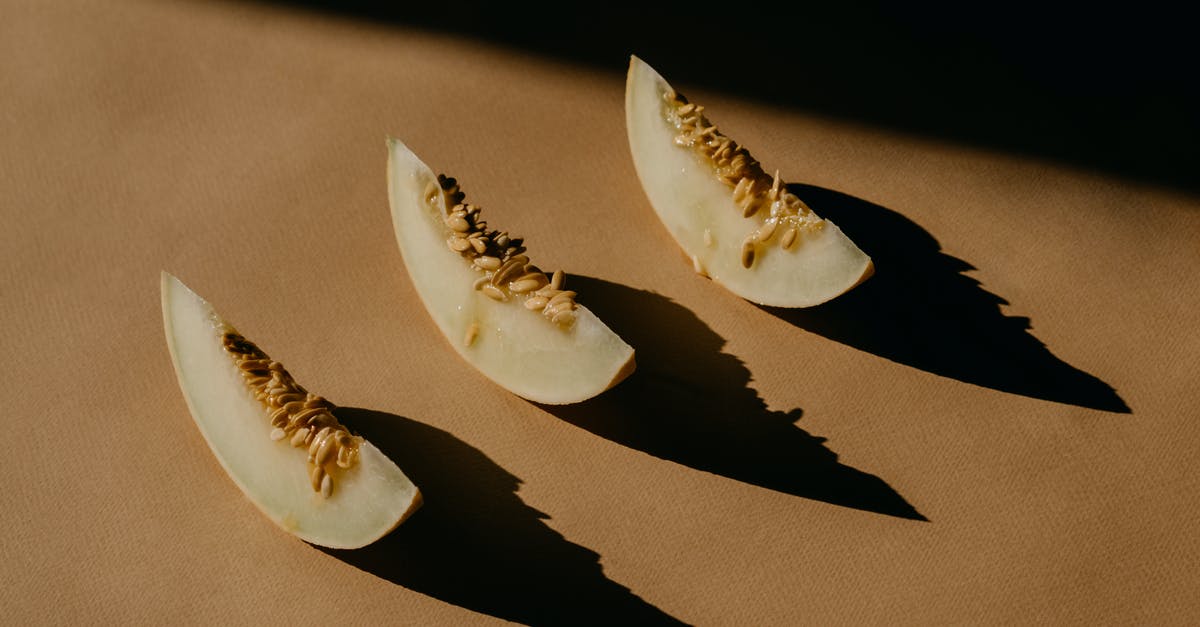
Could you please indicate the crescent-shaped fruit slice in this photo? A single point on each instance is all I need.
(279, 443)
(740, 225)
(518, 326)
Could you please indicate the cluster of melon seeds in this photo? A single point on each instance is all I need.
(505, 272)
(298, 417)
(753, 190)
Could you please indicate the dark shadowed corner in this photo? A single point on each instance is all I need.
(476, 545)
(691, 403)
(919, 309)
(1107, 87)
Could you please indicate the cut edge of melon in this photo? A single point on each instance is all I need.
(859, 266)
(286, 522)
(623, 365)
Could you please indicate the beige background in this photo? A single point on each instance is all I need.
(242, 148)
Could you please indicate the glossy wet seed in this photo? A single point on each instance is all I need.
(509, 270)
(295, 416)
(752, 189)
(524, 285)
(498, 255)
(493, 292)
(789, 238)
(487, 262)
(764, 232)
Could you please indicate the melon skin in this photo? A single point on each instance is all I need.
(369, 500)
(691, 200)
(519, 349)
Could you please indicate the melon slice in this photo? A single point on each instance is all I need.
(739, 225)
(507, 318)
(279, 443)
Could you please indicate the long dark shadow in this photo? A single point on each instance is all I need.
(919, 309)
(691, 403)
(475, 544)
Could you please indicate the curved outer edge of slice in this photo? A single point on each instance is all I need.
(400, 154)
(725, 271)
(169, 282)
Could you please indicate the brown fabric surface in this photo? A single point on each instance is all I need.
(999, 427)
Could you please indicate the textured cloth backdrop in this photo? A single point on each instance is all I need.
(999, 427)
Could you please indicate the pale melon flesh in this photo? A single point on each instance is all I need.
(369, 499)
(519, 349)
(700, 212)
